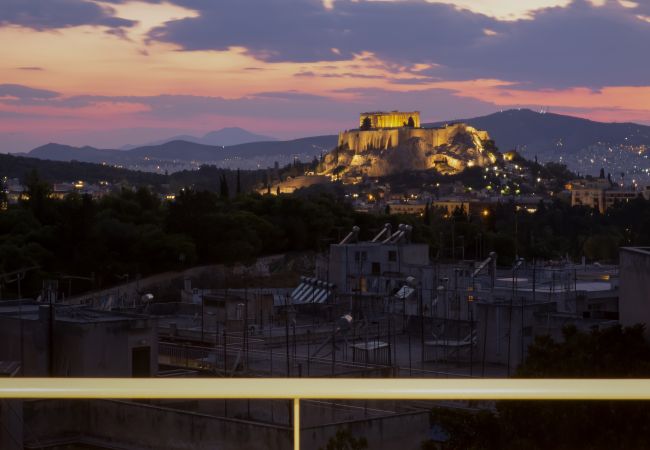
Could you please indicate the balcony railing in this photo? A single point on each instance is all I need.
(297, 389)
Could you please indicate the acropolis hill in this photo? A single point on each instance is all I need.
(390, 142)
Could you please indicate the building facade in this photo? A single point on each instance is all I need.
(392, 119)
(634, 298)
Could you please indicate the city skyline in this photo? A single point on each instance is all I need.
(111, 73)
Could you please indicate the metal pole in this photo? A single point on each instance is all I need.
(202, 317)
(485, 335)
(293, 333)
(458, 315)
(308, 350)
(245, 334)
(522, 326)
(216, 341)
(410, 365)
(271, 349)
(333, 349)
(22, 331)
(51, 333)
(421, 323)
(296, 424)
(512, 298)
(225, 354)
(286, 335)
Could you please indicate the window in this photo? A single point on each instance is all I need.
(376, 268)
(392, 255)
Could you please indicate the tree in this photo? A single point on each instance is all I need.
(38, 192)
(366, 124)
(223, 187)
(602, 173)
(427, 213)
(238, 182)
(343, 440)
(615, 352)
(411, 123)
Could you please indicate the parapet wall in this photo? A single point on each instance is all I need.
(381, 139)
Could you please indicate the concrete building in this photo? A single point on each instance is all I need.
(451, 205)
(406, 208)
(601, 195)
(77, 341)
(376, 266)
(634, 303)
(531, 301)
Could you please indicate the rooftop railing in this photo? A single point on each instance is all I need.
(297, 389)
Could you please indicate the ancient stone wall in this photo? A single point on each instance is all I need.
(382, 139)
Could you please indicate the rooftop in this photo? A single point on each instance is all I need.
(641, 250)
(65, 313)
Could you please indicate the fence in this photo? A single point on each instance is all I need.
(324, 389)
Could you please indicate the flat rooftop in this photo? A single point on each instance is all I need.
(67, 313)
(641, 250)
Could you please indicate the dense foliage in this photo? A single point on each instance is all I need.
(344, 440)
(553, 231)
(134, 232)
(205, 178)
(612, 353)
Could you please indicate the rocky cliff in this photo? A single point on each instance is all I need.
(382, 152)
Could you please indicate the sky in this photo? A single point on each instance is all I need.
(115, 72)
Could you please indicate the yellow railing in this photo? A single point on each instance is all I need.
(326, 388)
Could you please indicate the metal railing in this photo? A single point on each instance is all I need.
(297, 389)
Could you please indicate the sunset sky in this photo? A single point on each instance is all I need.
(114, 72)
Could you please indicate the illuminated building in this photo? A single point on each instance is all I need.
(600, 195)
(392, 119)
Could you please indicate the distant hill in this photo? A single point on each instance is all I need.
(233, 136)
(584, 145)
(13, 166)
(223, 137)
(184, 152)
(532, 131)
(60, 152)
(206, 178)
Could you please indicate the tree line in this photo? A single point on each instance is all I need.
(135, 232)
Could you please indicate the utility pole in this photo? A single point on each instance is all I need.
(286, 334)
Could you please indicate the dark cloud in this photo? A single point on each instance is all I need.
(23, 93)
(436, 104)
(580, 45)
(33, 68)
(311, 74)
(304, 31)
(52, 14)
(289, 95)
(577, 45)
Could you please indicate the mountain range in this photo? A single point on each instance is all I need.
(223, 137)
(179, 155)
(582, 144)
(553, 135)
